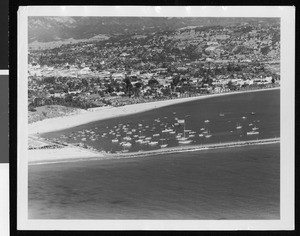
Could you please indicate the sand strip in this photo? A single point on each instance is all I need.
(60, 155)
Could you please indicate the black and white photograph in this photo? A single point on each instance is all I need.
(154, 116)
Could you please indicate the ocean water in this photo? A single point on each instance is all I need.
(234, 184)
(258, 109)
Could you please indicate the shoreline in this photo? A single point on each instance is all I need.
(75, 154)
(65, 122)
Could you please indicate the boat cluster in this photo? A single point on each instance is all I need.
(146, 135)
(158, 133)
(253, 127)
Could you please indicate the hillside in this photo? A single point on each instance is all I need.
(47, 29)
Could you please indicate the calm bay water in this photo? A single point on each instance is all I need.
(237, 183)
(236, 109)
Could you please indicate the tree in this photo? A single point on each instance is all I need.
(175, 81)
(128, 85)
(231, 86)
(50, 80)
(153, 82)
(109, 89)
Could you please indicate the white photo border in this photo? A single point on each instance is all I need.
(287, 114)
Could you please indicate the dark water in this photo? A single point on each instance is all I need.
(236, 109)
(237, 183)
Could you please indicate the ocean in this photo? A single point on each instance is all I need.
(236, 183)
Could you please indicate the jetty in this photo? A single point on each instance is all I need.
(88, 154)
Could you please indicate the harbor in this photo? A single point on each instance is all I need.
(193, 123)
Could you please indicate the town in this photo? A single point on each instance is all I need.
(117, 70)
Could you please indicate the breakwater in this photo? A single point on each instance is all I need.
(191, 148)
(82, 154)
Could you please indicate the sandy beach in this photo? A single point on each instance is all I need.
(60, 123)
(60, 155)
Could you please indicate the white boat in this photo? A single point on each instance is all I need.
(156, 135)
(127, 144)
(115, 140)
(255, 128)
(172, 132)
(202, 129)
(185, 141)
(181, 138)
(208, 135)
(191, 136)
(201, 135)
(166, 130)
(148, 138)
(252, 113)
(238, 126)
(153, 143)
(162, 143)
(221, 114)
(244, 117)
(252, 132)
(206, 121)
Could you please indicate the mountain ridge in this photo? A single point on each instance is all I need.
(53, 28)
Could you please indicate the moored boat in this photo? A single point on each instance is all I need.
(238, 126)
(252, 132)
(153, 143)
(188, 141)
